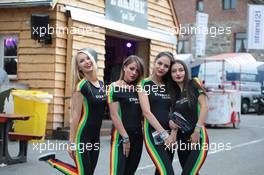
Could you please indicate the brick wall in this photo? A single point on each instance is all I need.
(235, 19)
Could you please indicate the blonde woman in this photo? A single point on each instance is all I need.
(88, 105)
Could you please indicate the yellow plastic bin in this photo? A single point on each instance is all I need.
(34, 104)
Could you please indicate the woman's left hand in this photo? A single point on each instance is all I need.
(126, 148)
(195, 137)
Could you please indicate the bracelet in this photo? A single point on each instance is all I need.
(198, 126)
(125, 140)
(164, 135)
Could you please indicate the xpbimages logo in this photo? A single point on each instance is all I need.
(50, 30)
(156, 89)
(59, 146)
(213, 147)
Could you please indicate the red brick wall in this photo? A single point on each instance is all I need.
(186, 10)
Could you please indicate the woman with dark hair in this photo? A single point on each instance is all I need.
(126, 114)
(155, 104)
(190, 101)
(87, 111)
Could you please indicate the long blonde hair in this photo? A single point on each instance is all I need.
(77, 74)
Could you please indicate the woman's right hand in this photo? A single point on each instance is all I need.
(71, 152)
(173, 125)
(174, 135)
(169, 141)
(72, 148)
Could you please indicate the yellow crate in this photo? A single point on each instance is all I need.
(30, 103)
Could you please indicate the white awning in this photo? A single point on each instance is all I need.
(244, 62)
(100, 20)
(26, 3)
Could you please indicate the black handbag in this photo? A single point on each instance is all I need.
(178, 119)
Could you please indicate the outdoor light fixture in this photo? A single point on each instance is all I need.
(128, 44)
(40, 28)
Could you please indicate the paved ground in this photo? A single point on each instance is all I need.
(245, 157)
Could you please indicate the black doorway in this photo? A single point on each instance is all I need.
(117, 50)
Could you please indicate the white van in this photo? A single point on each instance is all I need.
(260, 78)
(232, 71)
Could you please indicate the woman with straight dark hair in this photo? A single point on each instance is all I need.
(126, 114)
(189, 100)
(155, 104)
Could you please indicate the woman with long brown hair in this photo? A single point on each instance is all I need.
(126, 114)
(189, 100)
(155, 104)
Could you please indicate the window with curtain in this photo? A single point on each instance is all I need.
(183, 46)
(8, 54)
(200, 5)
(240, 42)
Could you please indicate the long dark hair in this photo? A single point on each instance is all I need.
(174, 89)
(168, 54)
(140, 64)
